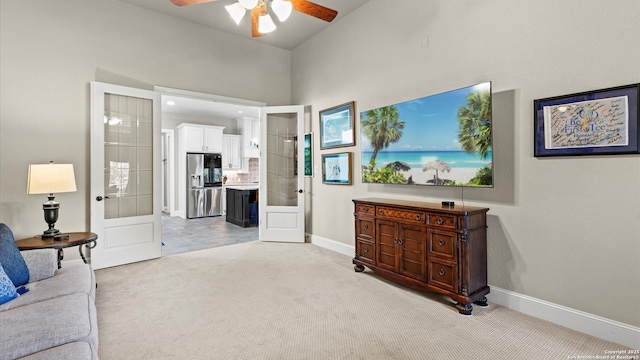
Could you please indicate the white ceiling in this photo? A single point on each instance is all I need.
(207, 108)
(288, 35)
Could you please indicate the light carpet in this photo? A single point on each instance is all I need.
(298, 301)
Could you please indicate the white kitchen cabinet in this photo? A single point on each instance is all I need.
(231, 152)
(249, 128)
(201, 138)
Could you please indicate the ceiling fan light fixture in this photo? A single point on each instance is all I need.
(248, 4)
(282, 9)
(265, 24)
(236, 10)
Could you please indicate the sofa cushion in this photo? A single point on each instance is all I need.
(77, 279)
(11, 259)
(48, 324)
(42, 263)
(7, 289)
(70, 351)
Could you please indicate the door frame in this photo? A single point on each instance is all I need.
(171, 170)
(179, 209)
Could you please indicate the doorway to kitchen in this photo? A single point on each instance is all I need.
(182, 109)
(186, 235)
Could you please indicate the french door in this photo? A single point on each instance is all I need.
(126, 174)
(281, 195)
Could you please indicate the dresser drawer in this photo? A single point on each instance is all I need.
(442, 244)
(448, 221)
(365, 251)
(365, 209)
(364, 229)
(443, 275)
(416, 217)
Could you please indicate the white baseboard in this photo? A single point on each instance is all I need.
(590, 324)
(336, 246)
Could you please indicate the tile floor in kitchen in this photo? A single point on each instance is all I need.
(183, 235)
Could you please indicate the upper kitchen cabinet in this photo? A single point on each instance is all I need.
(201, 138)
(231, 152)
(249, 128)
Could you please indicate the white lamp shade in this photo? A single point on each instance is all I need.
(51, 178)
(236, 11)
(282, 9)
(248, 4)
(265, 24)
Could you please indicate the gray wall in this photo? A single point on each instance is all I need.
(564, 230)
(51, 50)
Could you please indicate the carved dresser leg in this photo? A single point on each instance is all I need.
(481, 301)
(358, 268)
(464, 309)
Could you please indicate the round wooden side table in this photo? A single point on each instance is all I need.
(70, 239)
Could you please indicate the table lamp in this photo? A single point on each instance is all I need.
(48, 179)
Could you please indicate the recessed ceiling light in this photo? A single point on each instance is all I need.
(240, 111)
(171, 103)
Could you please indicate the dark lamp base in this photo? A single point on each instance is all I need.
(48, 234)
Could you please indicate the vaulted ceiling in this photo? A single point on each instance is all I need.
(288, 35)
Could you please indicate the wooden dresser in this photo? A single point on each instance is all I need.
(425, 246)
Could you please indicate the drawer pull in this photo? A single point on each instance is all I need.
(365, 250)
(440, 221)
(366, 210)
(400, 241)
(366, 226)
(418, 217)
(441, 272)
(441, 242)
(381, 212)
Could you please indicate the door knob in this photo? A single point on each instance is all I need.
(98, 198)
(300, 191)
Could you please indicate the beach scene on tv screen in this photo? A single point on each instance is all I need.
(443, 139)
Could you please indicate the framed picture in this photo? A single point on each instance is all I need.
(336, 169)
(600, 122)
(336, 126)
(308, 154)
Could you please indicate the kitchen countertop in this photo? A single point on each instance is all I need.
(243, 186)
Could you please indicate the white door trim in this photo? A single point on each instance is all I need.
(171, 170)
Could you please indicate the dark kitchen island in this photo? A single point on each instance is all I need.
(242, 205)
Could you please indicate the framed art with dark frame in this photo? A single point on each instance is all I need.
(308, 154)
(337, 126)
(599, 122)
(336, 169)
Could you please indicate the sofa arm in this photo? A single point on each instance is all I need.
(42, 263)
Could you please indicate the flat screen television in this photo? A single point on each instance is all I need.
(438, 140)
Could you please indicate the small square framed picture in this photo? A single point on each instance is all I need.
(336, 169)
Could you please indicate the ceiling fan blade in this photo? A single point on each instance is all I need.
(190, 2)
(255, 14)
(315, 10)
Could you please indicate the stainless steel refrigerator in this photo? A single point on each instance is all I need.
(204, 185)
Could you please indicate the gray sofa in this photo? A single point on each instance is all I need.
(56, 318)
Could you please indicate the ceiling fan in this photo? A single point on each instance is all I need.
(261, 22)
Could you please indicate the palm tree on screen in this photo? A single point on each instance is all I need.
(474, 119)
(382, 127)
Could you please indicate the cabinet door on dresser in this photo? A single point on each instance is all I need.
(412, 251)
(386, 244)
(401, 248)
